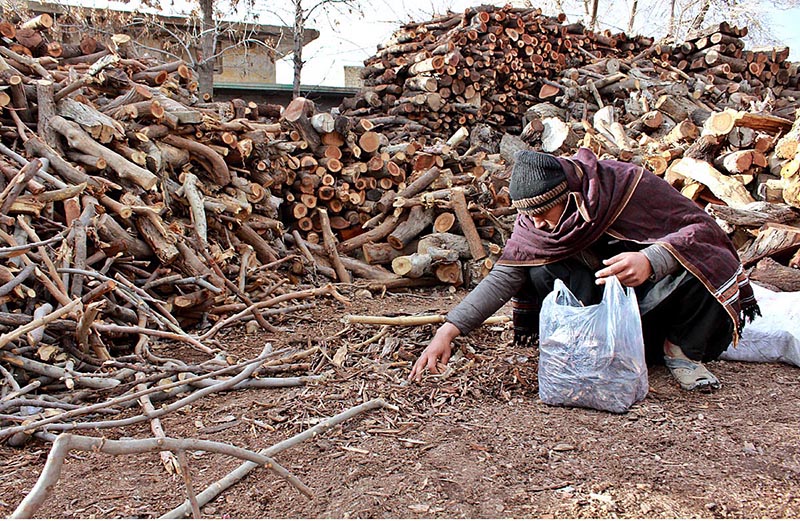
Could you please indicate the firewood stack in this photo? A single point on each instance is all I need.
(485, 65)
(130, 209)
(717, 55)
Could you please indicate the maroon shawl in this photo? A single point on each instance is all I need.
(630, 203)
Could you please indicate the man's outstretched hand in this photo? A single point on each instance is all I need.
(631, 268)
(438, 351)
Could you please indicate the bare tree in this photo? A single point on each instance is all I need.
(700, 17)
(306, 11)
(632, 17)
(671, 26)
(200, 37)
(586, 10)
(208, 44)
(593, 21)
(680, 15)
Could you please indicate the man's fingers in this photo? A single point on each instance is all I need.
(615, 259)
(607, 272)
(416, 371)
(432, 365)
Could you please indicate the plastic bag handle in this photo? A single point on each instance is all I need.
(562, 293)
(614, 291)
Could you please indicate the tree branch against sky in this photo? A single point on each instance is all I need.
(301, 15)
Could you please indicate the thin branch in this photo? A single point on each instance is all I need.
(67, 442)
(122, 399)
(187, 481)
(240, 472)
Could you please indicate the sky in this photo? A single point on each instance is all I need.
(350, 39)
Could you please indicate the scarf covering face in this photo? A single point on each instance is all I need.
(630, 203)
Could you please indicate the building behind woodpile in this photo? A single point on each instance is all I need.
(246, 70)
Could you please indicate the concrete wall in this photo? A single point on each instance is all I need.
(250, 65)
(352, 76)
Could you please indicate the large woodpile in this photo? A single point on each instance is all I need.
(485, 65)
(130, 210)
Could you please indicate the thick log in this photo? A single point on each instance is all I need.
(80, 140)
(19, 101)
(413, 266)
(444, 222)
(445, 241)
(373, 235)
(119, 240)
(329, 243)
(720, 123)
(737, 162)
(297, 116)
(724, 187)
(15, 188)
(216, 168)
(157, 236)
(264, 252)
(382, 252)
(358, 268)
(450, 273)
(36, 147)
(714, 57)
(459, 205)
(755, 215)
(772, 239)
(419, 218)
(557, 135)
(97, 124)
(768, 271)
(46, 110)
(197, 210)
(323, 122)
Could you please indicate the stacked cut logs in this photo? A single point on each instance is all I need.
(718, 55)
(130, 210)
(485, 65)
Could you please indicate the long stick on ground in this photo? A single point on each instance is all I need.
(67, 442)
(327, 289)
(420, 320)
(167, 458)
(240, 472)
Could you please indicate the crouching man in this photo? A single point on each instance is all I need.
(582, 220)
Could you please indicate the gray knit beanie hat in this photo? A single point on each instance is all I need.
(538, 182)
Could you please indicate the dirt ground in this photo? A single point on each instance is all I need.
(474, 443)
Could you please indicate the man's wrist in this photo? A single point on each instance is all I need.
(449, 330)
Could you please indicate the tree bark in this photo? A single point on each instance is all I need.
(208, 44)
(297, 44)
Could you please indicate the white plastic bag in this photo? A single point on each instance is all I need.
(592, 356)
(775, 335)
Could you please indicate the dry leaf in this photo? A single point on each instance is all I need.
(339, 357)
